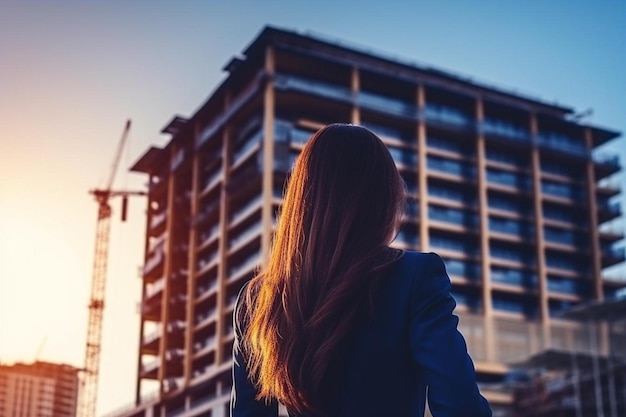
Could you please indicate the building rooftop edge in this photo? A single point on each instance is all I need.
(269, 30)
(266, 34)
(147, 160)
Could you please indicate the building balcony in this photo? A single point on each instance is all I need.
(246, 210)
(387, 105)
(606, 165)
(244, 267)
(204, 291)
(157, 220)
(310, 86)
(503, 129)
(150, 369)
(447, 117)
(247, 149)
(608, 211)
(608, 187)
(613, 256)
(150, 342)
(235, 105)
(244, 237)
(154, 264)
(207, 262)
(204, 318)
(562, 144)
(208, 236)
(611, 232)
(202, 373)
(211, 181)
(154, 290)
(210, 211)
(204, 346)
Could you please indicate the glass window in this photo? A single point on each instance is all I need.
(554, 234)
(441, 191)
(448, 145)
(403, 156)
(242, 147)
(511, 253)
(567, 262)
(312, 86)
(562, 190)
(465, 269)
(564, 170)
(562, 142)
(560, 213)
(510, 226)
(568, 285)
(454, 244)
(507, 204)
(506, 128)
(451, 167)
(508, 304)
(511, 179)
(504, 157)
(386, 103)
(446, 114)
(452, 215)
(390, 132)
(519, 277)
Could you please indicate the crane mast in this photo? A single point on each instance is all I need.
(89, 382)
(96, 309)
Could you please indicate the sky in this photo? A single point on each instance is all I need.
(72, 73)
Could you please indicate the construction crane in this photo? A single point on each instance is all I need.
(89, 383)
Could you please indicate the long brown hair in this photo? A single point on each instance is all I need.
(341, 208)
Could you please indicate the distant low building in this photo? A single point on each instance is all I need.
(39, 389)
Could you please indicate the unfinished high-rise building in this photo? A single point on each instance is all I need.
(507, 189)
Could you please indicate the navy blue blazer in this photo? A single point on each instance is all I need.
(408, 351)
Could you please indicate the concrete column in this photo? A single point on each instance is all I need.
(142, 321)
(355, 85)
(596, 254)
(167, 271)
(483, 217)
(596, 249)
(222, 273)
(191, 259)
(268, 155)
(422, 170)
(542, 276)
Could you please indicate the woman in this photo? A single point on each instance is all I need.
(337, 323)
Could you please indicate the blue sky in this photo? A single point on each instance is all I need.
(72, 72)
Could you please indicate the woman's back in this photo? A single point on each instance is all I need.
(334, 324)
(406, 343)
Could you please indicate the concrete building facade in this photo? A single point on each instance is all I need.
(507, 189)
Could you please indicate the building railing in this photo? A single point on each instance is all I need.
(312, 86)
(562, 143)
(387, 104)
(515, 340)
(505, 128)
(608, 160)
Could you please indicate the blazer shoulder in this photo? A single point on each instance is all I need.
(427, 275)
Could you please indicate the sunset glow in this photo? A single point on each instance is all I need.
(73, 72)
